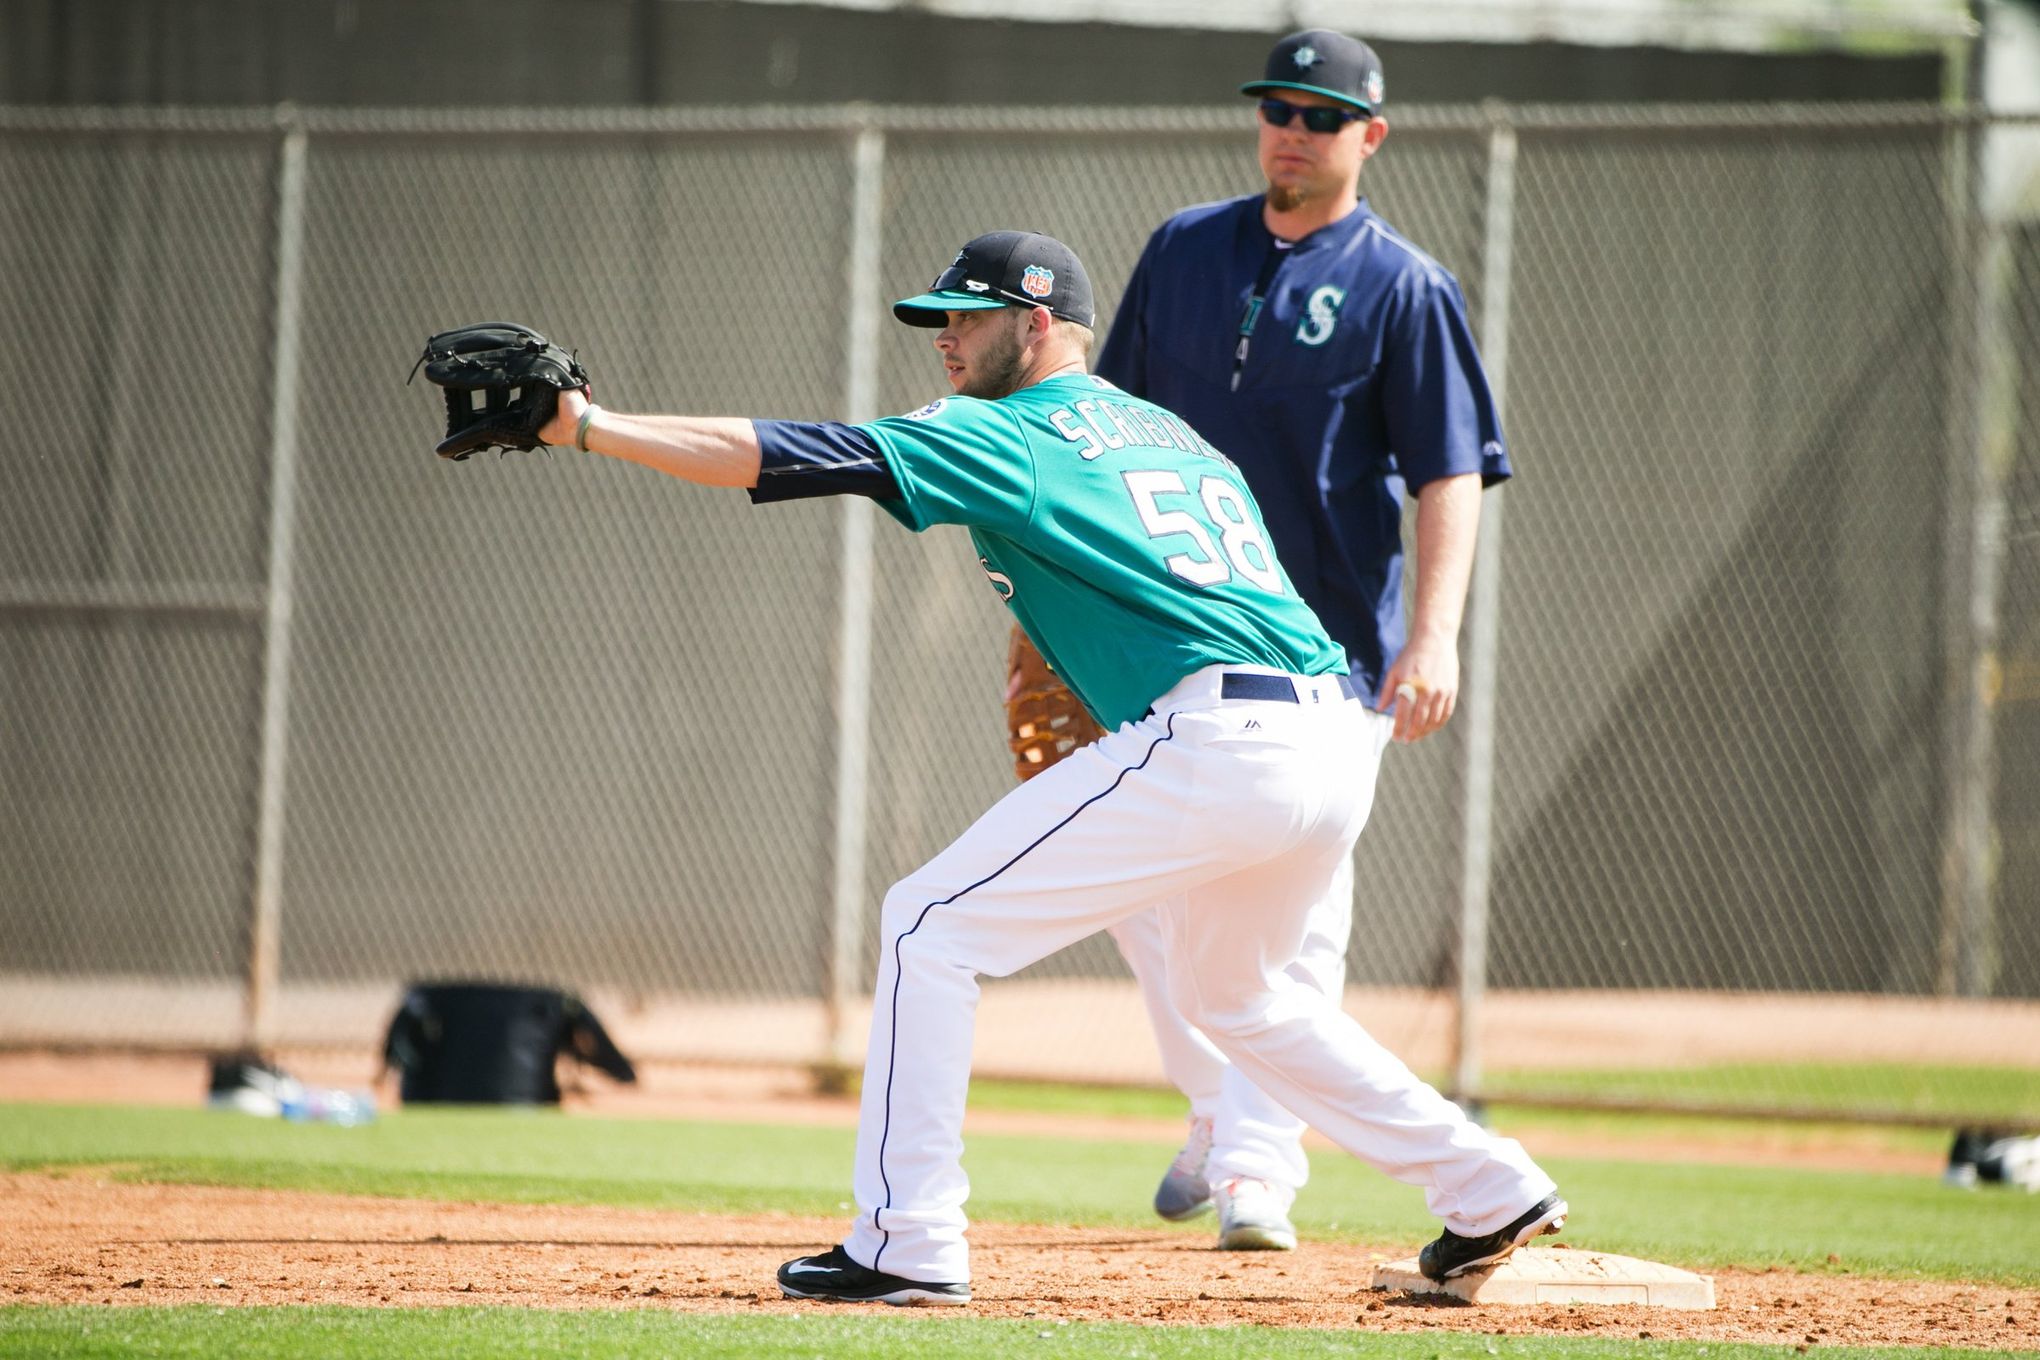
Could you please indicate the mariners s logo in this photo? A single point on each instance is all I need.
(1320, 315)
(1000, 581)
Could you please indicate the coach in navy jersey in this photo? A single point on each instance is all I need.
(1302, 335)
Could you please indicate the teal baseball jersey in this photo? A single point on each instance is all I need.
(1129, 549)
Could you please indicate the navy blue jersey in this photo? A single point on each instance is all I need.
(1359, 379)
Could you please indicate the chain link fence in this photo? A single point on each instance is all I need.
(292, 712)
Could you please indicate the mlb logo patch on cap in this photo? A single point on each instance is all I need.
(1036, 281)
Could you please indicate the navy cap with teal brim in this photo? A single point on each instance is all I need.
(1005, 269)
(1320, 61)
(945, 300)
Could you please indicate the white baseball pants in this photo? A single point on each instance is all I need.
(1251, 1134)
(1236, 814)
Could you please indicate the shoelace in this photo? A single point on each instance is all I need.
(1196, 1150)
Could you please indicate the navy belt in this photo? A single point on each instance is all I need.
(1275, 688)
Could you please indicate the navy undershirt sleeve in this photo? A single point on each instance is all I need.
(802, 458)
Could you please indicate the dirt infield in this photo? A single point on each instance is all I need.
(84, 1238)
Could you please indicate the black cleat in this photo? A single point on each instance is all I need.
(834, 1276)
(1452, 1255)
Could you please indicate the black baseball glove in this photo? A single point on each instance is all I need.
(502, 383)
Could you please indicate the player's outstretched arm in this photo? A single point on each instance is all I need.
(710, 450)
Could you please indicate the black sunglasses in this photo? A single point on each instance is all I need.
(1318, 117)
(956, 278)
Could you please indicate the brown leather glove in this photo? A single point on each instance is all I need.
(1044, 721)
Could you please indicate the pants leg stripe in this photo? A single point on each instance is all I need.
(885, 1128)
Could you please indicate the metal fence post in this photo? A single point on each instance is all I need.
(854, 587)
(1986, 418)
(1483, 636)
(265, 919)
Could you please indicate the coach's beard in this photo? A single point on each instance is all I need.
(1284, 198)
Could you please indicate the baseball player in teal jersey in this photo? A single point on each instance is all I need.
(1135, 558)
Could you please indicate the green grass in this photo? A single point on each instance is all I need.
(1644, 1131)
(1639, 1129)
(1960, 1094)
(203, 1333)
(1121, 1102)
(1697, 1215)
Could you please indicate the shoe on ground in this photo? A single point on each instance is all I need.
(1981, 1156)
(1452, 1255)
(2011, 1161)
(249, 1083)
(1184, 1193)
(834, 1276)
(1962, 1159)
(1253, 1216)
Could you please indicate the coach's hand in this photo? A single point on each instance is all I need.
(1421, 688)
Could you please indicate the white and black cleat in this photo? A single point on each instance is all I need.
(1452, 1255)
(833, 1276)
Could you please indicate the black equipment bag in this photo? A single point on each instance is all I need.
(490, 1044)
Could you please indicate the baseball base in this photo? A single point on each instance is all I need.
(1560, 1275)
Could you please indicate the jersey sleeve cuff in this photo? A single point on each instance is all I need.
(1492, 465)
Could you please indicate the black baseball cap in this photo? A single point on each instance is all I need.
(1002, 267)
(1326, 63)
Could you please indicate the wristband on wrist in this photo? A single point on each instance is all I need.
(581, 430)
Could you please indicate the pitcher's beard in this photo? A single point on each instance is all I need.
(999, 370)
